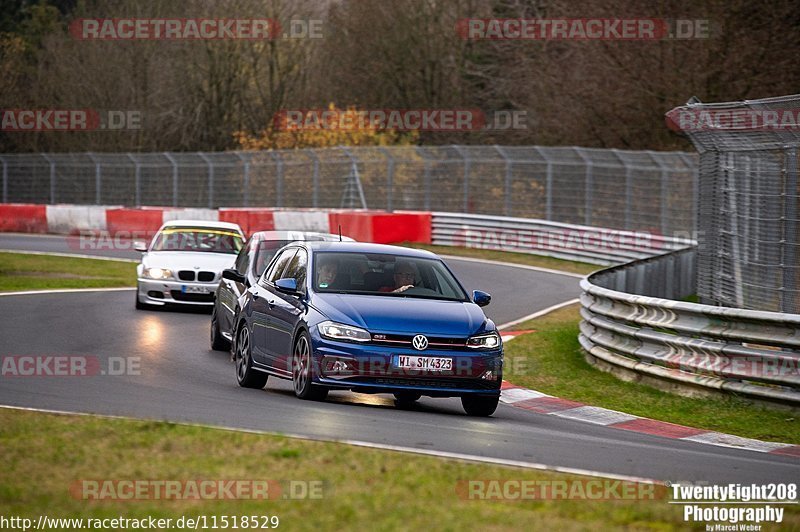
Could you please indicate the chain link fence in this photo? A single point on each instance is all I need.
(748, 201)
(633, 190)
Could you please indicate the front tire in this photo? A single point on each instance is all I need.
(218, 342)
(479, 406)
(246, 376)
(303, 371)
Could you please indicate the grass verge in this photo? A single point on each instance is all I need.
(19, 271)
(581, 268)
(44, 455)
(550, 360)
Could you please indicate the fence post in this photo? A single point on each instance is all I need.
(389, 178)
(210, 178)
(426, 178)
(246, 179)
(588, 194)
(314, 178)
(507, 207)
(97, 177)
(548, 184)
(137, 181)
(52, 178)
(174, 178)
(279, 174)
(657, 158)
(467, 166)
(789, 303)
(5, 179)
(356, 177)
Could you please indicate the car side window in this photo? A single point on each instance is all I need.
(276, 271)
(297, 269)
(243, 260)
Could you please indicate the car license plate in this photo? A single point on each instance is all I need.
(431, 363)
(194, 289)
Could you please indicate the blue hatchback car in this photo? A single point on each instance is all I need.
(369, 318)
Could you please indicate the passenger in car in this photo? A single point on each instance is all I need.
(404, 278)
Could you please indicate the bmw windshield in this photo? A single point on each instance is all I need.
(198, 239)
(385, 275)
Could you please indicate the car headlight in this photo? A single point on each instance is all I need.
(339, 331)
(484, 341)
(157, 273)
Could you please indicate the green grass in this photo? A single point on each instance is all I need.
(550, 360)
(19, 271)
(507, 256)
(362, 489)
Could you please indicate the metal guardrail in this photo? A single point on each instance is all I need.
(594, 245)
(745, 352)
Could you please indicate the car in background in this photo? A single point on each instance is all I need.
(369, 318)
(184, 262)
(251, 262)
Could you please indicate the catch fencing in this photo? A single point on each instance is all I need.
(617, 189)
(749, 223)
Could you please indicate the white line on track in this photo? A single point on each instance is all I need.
(370, 445)
(65, 291)
(514, 265)
(68, 255)
(538, 314)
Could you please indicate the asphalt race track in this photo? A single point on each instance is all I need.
(181, 379)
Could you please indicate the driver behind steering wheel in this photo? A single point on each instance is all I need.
(405, 276)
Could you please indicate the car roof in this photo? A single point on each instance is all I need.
(297, 236)
(202, 223)
(364, 247)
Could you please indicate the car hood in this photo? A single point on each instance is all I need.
(404, 314)
(188, 260)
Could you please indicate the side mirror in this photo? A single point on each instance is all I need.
(232, 274)
(140, 246)
(481, 298)
(287, 285)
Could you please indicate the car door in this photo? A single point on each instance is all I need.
(261, 306)
(285, 312)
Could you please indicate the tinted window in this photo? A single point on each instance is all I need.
(242, 260)
(276, 270)
(265, 251)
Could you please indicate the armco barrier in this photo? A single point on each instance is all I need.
(690, 346)
(583, 243)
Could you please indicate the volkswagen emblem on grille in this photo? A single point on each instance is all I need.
(419, 342)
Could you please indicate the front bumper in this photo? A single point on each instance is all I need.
(370, 368)
(158, 292)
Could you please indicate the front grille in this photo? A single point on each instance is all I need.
(186, 275)
(205, 277)
(177, 295)
(434, 342)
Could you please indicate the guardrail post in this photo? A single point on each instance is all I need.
(507, 207)
(5, 179)
(174, 178)
(97, 178)
(389, 178)
(588, 194)
(789, 299)
(52, 178)
(210, 178)
(245, 179)
(279, 175)
(314, 177)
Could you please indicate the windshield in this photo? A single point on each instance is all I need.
(384, 275)
(198, 239)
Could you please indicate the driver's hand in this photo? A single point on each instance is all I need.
(403, 288)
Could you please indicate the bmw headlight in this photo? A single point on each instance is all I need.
(157, 273)
(484, 341)
(339, 331)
